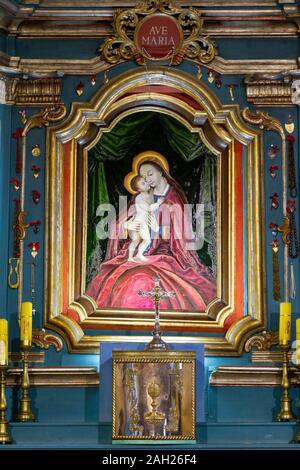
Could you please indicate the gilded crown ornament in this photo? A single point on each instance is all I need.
(158, 30)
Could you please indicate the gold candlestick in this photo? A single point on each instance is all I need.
(5, 437)
(25, 413)
(285, 413)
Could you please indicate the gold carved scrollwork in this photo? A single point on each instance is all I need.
(44, 117)
(263, 120)
(122, 45)
(20, 226)
(285, 230)
(262, 342)
(43, 340)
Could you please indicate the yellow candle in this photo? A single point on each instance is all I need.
(298, 340)
(3, 342)
(26, 310)
(285, 323)
(26, 323)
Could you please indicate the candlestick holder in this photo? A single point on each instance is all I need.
(5, 437)
(25, 413)
(285, 413)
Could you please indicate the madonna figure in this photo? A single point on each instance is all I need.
(153, 237)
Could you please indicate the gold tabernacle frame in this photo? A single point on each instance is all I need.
(68, 309)
(154, 396)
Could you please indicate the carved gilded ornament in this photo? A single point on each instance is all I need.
(268, 91)
(262, 342)
(43, 340)
(157, 30)
(37, 92)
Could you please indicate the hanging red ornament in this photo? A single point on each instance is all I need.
(93, 80)
(274, 229)
(218, 81)
(79, 88)
(34, 246)
(274, 201)
(272, 151)
(273, 170)
(35, 224)
(35, 171)
(17, 136)
(16, 183)
(36, 196)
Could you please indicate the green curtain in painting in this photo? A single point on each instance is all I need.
(138, 132)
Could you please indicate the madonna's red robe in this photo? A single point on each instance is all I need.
(118, 282)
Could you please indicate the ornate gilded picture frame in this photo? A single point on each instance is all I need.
(238, 307)
(154, 396)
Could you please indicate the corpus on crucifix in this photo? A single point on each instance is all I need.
(156, 294)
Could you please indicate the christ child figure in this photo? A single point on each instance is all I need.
(140, 224)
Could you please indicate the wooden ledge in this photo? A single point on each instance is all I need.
(251, 376)
(56, 377)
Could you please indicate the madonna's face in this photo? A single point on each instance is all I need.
(151, 174)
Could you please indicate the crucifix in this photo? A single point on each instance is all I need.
(157, 293)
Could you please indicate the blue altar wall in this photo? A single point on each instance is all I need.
(81, 405)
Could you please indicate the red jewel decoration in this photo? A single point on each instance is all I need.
(79, 88)
(17, 136)
(36, 196)
(274, 228)
(272, 151)
(291, 206)
(93, 80)
(274, 201)
(35, 171)
(35, 224)
(34, 246)
(218, 81)
(16, 184)
(273, 169)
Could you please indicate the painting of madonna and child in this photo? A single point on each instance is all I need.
(151, 212)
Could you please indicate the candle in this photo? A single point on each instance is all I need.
(26, 323)
(3, 342)
(298, 341)
(285, 323)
